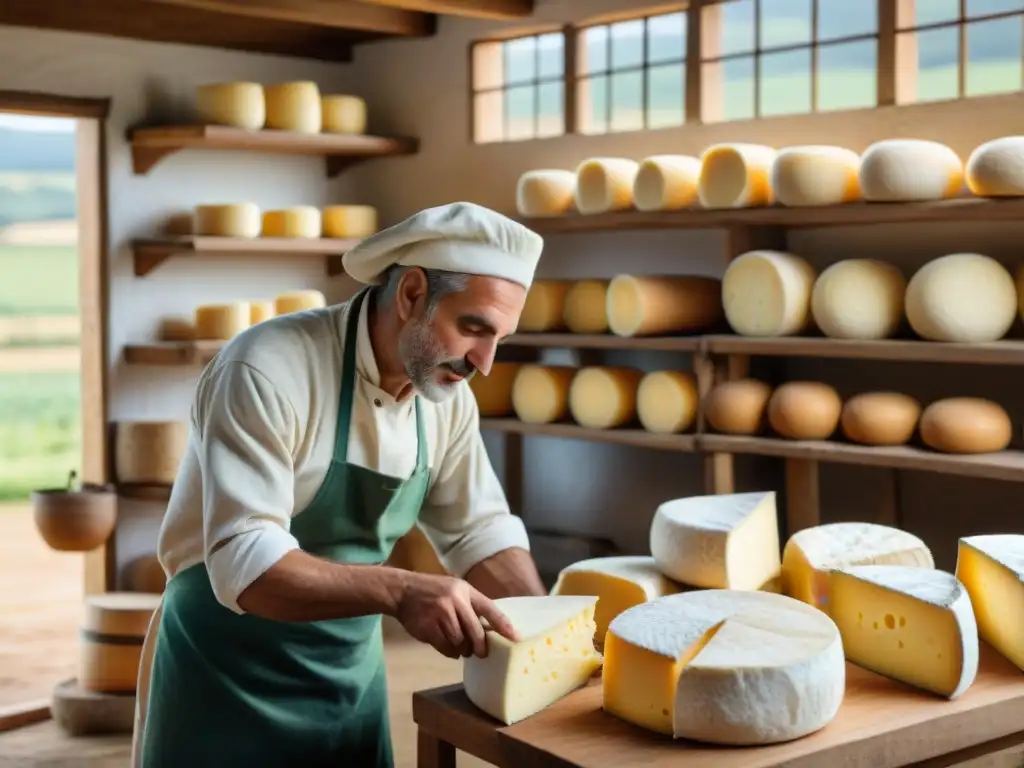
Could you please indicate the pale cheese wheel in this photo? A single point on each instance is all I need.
(349, 221)
(545, 306)
(650, 306)
(768, 293)
(540, 393)
(666, 183)
(241, 105)
(736, 176)
(996, 168)
(228, 220)
(604, 397)
(260, 311)
(805, 410)
(176, 329)
(1019, 282)
(859, 299)
(493, 392)
(343, 113)
(963, 297)
(294, 107)
(145, 574)
(667, 401)
(545, 192)
(299, 301)
(737, 407)
(880, 418)
(221, 322)
(302, 221)
(816, 175)
(113, 629)
(605, 184)
(586, 309)
(149, 451)
(907, 170)
(966, 425)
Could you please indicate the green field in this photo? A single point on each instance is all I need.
(38, 280)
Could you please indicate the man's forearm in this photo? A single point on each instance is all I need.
(509, 573)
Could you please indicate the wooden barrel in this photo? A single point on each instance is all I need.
(113, 629)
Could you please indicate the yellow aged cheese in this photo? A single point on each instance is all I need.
(737, 407)
(540, 393)
(228, 220)
(544, 309)
(294, 107)
(736, 176)
(493, 392)
(816, 175)
(906, 170)
(666, 401)
(604, 397)
(349, 221)
(966, 425)
(859, 299)
(260, 311)
(996, 168)
(545, 192)
(666, 183)
(991, 567)
(149, 451)
(586, 307)
(113, 629)
(299, 301)
(650, 306)
(768, 293)
(240, 105)
(298, 221)
(220, 322)
(605, 184)
(343, 113)
(805, 410)
(880, 418)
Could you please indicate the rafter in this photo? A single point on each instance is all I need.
(474, 9)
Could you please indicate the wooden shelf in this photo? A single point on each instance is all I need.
(637, 438)
(1009, 352)
(603, 341)
(145, 492)
(172, 352)
(150, 254)
(151, 145)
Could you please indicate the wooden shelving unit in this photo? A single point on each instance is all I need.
(172, 352)
(1006, 352)
(149, 254)
(636, 438)
(144, 492)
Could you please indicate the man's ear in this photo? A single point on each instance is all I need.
(411, 296)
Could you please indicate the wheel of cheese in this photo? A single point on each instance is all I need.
(1019, 283)
(859, 299)
(176, 329)
(905, 170)
(544, 309)
(966, 425)
(996, 168)
(349, 221)
(540, 393)
(85, 713)
(804, 410)
(667, 401)
(545, 192)
(650, 306)
(260, 310)
(736, 176)
(343, 113)
(586, 307)
(294, 107)
(240, 105)
(146, 575)
(228, 220)
(768, 293)
(605, 184)
(963, 297)
(493, 392)
(221, 322)
(880, 418)
(149, 451)
(299, 301)
(604, 397)
(737, 407)
(113, 629)
(666, 183)
(299, 221)
(816, 175)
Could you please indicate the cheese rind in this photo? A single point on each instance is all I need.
(545, 306)
(301, 221)
(586, 307)
(736, 176)
(915, 625)
(493, 392)
(805, 410)
(651, 306)
(907, 170)
(294, 107)
(667, 401)
(149, 451)
(605, 184)
(260, 310)
(816, 175)
(540, 393)
(545, 192)
(228, 220)
(996, 168)
(859, 299)
(666, 183)
(880, 418)
(349, 221)
(604, 397)
(991, 568)
(966, 425)
(299, 301)
(768, 293)
(240, 104)
(343, 113)
(221, 322)
(737, 407)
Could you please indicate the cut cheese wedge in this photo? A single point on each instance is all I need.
(768, 293)
(236, 104)
(729, 541)
(604, 397)
(554, 656)
(736, 176)
(228, 220)
(651, 306)
(540, 393)
(666, 183)
(725, 667)
(294, 107)
(811, 553)
(996, 168)
(816, 175)
(220, 322)
(343, 113)
(349, 221)
(605, 184)
(545, 192)
(906, 170)
(586, 307)
(992, 569)
(493, 392)
(545, 306)
(859, 299)
(915, 625)
(300, 221)
(298, 301)
(667, 401)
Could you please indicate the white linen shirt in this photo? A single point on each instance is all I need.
(261, 439)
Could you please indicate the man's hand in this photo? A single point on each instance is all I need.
(446, 613)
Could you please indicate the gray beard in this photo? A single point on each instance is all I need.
(422, 355)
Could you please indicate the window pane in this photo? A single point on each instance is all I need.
(924, 12)
(666, 37)
(847, 75)
(488, 117)
(519, 112)
(784, 22)
(994, 54)
(627, 44)
(728, 90)
(627, 101)
(593, 50)
(983, 7)
(552, 55)
(666, 95)
(938, 55)
(592, 104)
(737, 26)
(521, 60)
(488, 65)
(551, 112)
(841, 18)
(784, 87)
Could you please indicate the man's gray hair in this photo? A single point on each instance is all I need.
(440, 283)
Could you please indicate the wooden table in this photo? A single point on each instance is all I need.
(882, 724)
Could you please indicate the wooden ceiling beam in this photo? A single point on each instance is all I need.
(472, 9)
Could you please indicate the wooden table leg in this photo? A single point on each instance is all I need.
(431, 752)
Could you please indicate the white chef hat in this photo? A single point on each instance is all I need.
(458, 237)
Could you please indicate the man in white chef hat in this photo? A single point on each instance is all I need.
(317, 440)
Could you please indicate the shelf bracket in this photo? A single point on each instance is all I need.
(145, 158)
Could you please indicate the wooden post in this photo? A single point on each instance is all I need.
(803, 498)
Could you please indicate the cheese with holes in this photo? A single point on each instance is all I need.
(149, 451)
(493, 392)
(240, 105)
(260, 310)
(666, 183)
(991, 567)
(962, 297)
(905, 170)
(545, 192)
(652, 306)
(113, 629)
(966, 425)
(859, 299)
(816, 175)
(299, 301)
(299, 221)
(228, 220)
(768, 293)
(915, 625)
(544, 309)
(605, 184)
(880, 418)
(736, 176)
(343, 113)
(349, 221)
(729, 541)
(617, 582)
(811, 553)
(805, 410)
(604, 397)
(724, 667)
(294, 107)
(996, 168)
(586, 307)
(737, 407)
(540, 393)
(554, 656)
(220, 322)
(666, 401)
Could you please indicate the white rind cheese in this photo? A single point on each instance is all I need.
(768, 293)
(545, 192)
(228, 220)
(816, 175)
(240, 105)
(991, 568)
(605, 184)
(908, 170)
(859, 299)
(343, 113)
(666, 183)
(736, 176)
(294, 107)
(996, 168)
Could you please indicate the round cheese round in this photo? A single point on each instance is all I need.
(605, 184)
(544, 309)
(221, 322)
(768, 293)
(349, 221)
(586, 307)
(859, 299)
(240, 105)
(964, 297)
(299, 301)
(880, 418)
(540, 393)
(149, 451)
(966, 425)
(667, 401)
(737, 407)
(652, 306)
(604, 397)
(343, 113)
(816, 175)
(996, 168)
(294, 107)
(905, 170)
(545, 192)
(493, 392)
(260, 310)
(302, 221)
(1019, 284)
(736, 176)
(666, 183)
(228, 220)
(805, 410)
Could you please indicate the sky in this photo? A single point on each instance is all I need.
(33, 123)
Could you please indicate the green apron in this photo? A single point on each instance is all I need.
(239, 691)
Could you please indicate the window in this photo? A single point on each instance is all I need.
(948, 49)
(631, 75)
(519, 88)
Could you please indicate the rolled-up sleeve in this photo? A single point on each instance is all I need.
(248, 478)
(466, 515)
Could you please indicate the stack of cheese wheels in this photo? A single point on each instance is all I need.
(113, 629)
(651, 306)
(604, 397)
(349, 221)
(240, 105)
(544, 309)
(493, 392)
(880, 418)
(228, 220)
(301, 221)
(859, 299)
(149, 451)
(768, 293)
(907, 170)
(666, 183)
(586, 306)
(966, 425)
(667, 401)
(299, 301)
(996, 168)
(260, 310)
(737, 407)
(294, 106)
(221, 322)
(605, 184)
(805, 410)
(736, 176)
(540, 393)
(545, 192)
(343, 113)
(816, 175)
